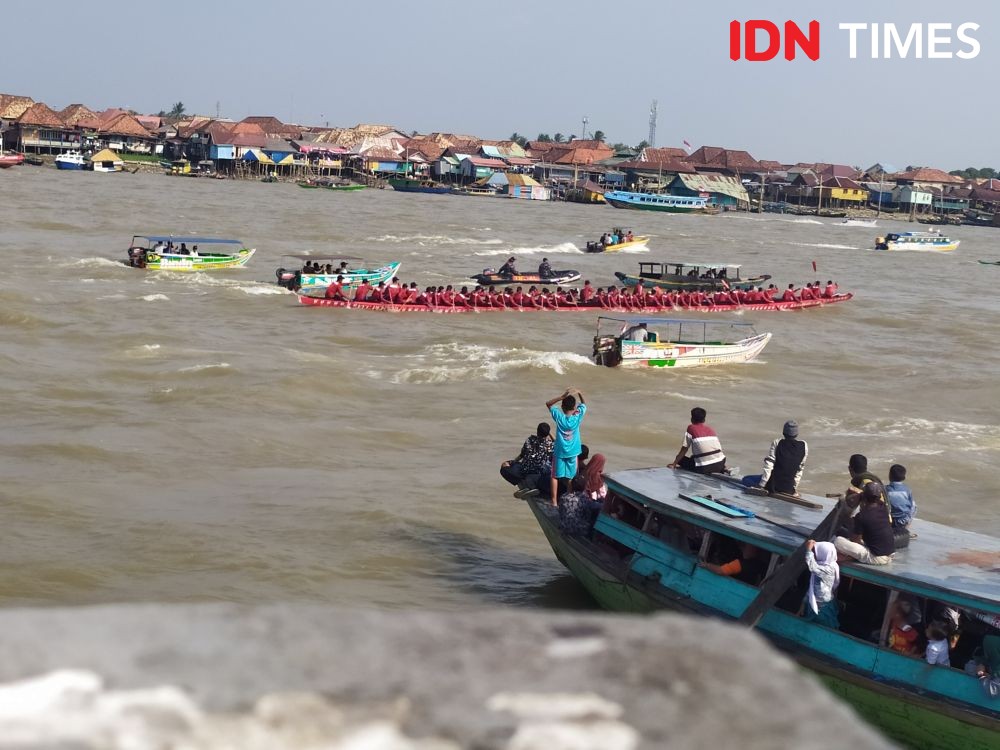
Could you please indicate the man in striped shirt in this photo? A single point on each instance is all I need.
(706, 450)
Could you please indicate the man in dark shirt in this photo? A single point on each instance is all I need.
(544, 269)
(534, 460)
(872, 543)
(860, 476)
(783, 463)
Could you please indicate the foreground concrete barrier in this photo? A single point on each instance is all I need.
(303, 677)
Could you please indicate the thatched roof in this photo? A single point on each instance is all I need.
(105, 155)
(13, 106)
(40, 114)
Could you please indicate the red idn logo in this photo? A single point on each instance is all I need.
(794, 36)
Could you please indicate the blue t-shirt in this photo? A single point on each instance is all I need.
(567, 431)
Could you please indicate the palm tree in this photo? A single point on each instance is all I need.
(599, 136)
(178, 109)
(558, 138)
(544, 138)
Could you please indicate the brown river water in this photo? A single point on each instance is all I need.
(174, 437)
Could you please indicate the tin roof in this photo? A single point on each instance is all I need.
(480, 161)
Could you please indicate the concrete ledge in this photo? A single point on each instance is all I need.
(221, 676)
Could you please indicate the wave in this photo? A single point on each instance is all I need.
(155, 297)
(217, 368)
(563, 248)
(93, 263)
(802, 221)
(960, 436)
(432, 239)
(824, 245)
(446, 363)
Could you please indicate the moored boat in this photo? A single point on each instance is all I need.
(678, 204)
(310, 280)
(70, 160)
(679, 342)
(682, 275)
(493, 278)
(933, 241)
(10, 160)
(659, 526)
(475, 191)
(182, 253)
(414, 185)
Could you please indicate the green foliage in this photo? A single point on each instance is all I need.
(544, 138)
(641, 145)
(972, 173)
(177, 110)
(519, 139)
(599, 135)
(558, 138)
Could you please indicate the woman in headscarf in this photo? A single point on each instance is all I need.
(821, 602)
(596, 488)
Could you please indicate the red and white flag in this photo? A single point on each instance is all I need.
(687, 146)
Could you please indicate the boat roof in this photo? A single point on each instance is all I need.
(696, 264)
(306, 256)
(182, 238)
(661, 321)
(943, 562)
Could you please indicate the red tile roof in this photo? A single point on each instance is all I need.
(845, 183)
(125, 124)
(724, 158)
(13, 106)
(40, 114)
(77, 115)
(273, 127)
(927, 174)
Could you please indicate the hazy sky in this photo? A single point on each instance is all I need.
(489, 69)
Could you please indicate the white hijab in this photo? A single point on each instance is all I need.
(826, 557)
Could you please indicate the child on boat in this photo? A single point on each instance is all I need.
(901, 504)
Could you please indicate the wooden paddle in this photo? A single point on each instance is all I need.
(789, 571)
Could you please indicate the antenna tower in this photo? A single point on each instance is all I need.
(652, 124)
(585, 121)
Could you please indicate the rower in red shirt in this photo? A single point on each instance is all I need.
(448, 297)
(614, 297)
(789, 294)
(361, 293)
(587, 293)
(336, 289)
(831, 290)
(518, 297)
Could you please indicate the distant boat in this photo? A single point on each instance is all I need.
(677, 204)
(858, 223)
(681, 343)
(413, 185)
(933, 241)
(990, 262)
(70, 160)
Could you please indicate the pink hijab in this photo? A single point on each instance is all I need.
(826, 557)
(595, 468)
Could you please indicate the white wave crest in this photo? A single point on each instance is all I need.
(563, 248)
(94, 263)
(824, 245)
(801, 221)
(432, 239)
(202, 368)
(263, 289)
(927, 434)
(155, 297)
(446, 363)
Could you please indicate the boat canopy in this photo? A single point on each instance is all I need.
(675, 321)
(303, 256)
(179, 238)
(697, 264)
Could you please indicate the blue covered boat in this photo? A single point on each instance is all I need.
(676, 204)
(648, 548)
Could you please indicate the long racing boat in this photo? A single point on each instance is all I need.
(658, 528)
(182, 253)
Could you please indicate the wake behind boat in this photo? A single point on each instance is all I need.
(857, 223)
(679, 342)
(171, 253)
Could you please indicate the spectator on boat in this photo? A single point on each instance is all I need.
(824, 578)
(937, 651)
(594, 474)
(902, 631)
(533, 462)
(194, 250)
(184, 249)
(706, 450)
(343, 267)
(567, 417)
(857, 465)
(638, 332)
(605, 239)
(629, 237)
(872, 542)
(544, 269)
(902, 508)
(577, 512)
(508, 269)
(783, 464)
(748, 566)
(582, 459)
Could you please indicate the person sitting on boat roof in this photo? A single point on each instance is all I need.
(706, 450)
(183, 250)
(748, 565)
(533, 462)
(544, 269)
(872, 541)
(857, 465)
(508, 269)
(824, 578)
(902, 508)
(783, 464)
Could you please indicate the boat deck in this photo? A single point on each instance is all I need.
(960, 566)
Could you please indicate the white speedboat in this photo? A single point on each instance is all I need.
(858, 223)
(70, 160)
(933, 241)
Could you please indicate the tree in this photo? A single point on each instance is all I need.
(558, 138)
(641, 145)
(544, 138)
(177, 110)
(599, 136)
(519, 139)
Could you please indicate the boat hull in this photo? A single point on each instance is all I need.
(639, 243)
(388, 307)
(914, 720)
(198, 262)
(70, 165)
(415, 186)
(688, 282)
(944, 247)
(655, 202)
(10, 160)
(669, 355)
(557, 277)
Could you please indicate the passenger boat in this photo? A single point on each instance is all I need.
(150, 252)
(480, 191)
(682, 275)
(659, 524)
(681, 342)
(10, 160)
(298, 279)
(858, 223)
(933, 241)
(677, 204)
(70, 160)
(591, 308)
(636, 243)
(413, 185)
(492, 278)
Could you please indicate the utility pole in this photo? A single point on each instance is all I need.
(585, 121)
(652, 125)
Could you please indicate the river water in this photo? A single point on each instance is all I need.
(173, 437)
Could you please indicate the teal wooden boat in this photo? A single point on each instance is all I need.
(639, 559)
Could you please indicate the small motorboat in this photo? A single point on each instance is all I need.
(489, 277)
(858, 223)
(309, 280)
(600, 246)
(170, 253)
(933, 241)
(70, 160)
(678, 343)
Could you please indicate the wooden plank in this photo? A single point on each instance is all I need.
(718, 507)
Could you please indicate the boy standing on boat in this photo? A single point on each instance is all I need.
(567, 417)
(706, 450)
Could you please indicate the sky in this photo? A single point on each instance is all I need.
(490, 69)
